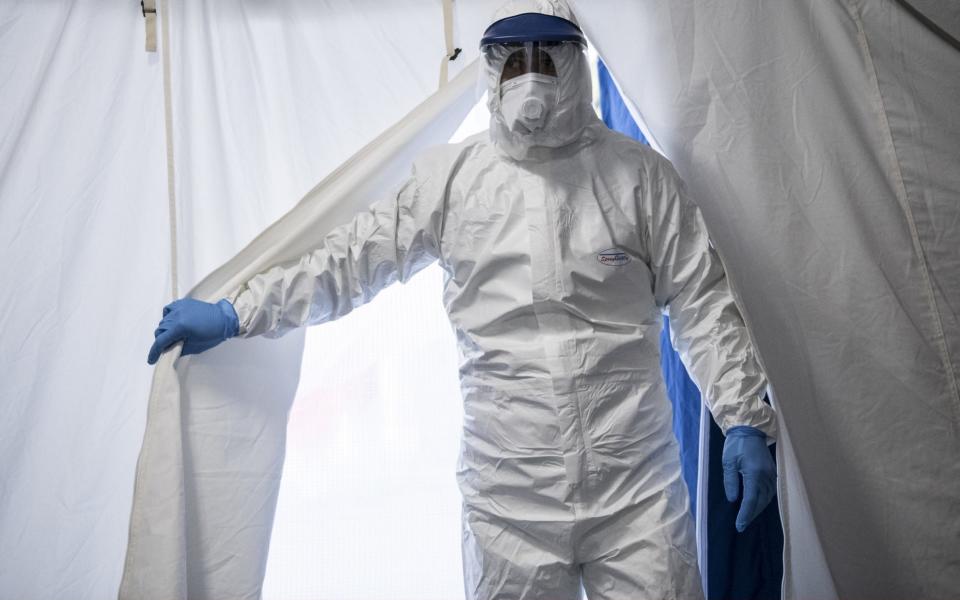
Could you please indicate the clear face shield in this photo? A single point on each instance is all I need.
(531, 51)
(528, 82)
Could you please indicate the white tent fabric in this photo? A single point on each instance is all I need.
(85, 263)
(822, 141)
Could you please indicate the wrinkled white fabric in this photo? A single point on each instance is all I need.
(821, 139)
(557, 266)
(84, 259)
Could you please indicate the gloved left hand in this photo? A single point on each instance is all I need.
(201, 326)
(745, 453)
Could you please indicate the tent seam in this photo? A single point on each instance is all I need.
(902, 199)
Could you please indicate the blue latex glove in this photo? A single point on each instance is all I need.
(745, 453)
(201, 326)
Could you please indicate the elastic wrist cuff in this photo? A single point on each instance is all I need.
(233, 321)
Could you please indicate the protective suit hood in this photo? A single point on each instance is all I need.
(566, 126)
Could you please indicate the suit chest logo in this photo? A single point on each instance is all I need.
(613, 257)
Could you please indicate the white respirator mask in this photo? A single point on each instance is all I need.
(526, 101)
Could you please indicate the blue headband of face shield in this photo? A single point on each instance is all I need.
(532, 27)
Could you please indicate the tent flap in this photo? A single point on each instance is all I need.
(203, 507)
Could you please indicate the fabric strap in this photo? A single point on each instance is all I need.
(149, 8)
(452, 52)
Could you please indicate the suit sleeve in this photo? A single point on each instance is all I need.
(706, 326)
(390, 242)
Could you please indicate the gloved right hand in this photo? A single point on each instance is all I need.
(201, 326)
(745, 454)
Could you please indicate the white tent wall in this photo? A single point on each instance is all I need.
(271, 96)
(822, 141)
(84, 257)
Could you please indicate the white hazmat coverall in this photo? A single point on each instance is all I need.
(561, 250)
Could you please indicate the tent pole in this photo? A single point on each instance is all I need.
(168, 125)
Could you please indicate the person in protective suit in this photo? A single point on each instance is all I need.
(563, 243)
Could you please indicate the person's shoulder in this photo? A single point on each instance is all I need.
(633, 152)
(652, 172)
(446, 157)
(480, 139)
